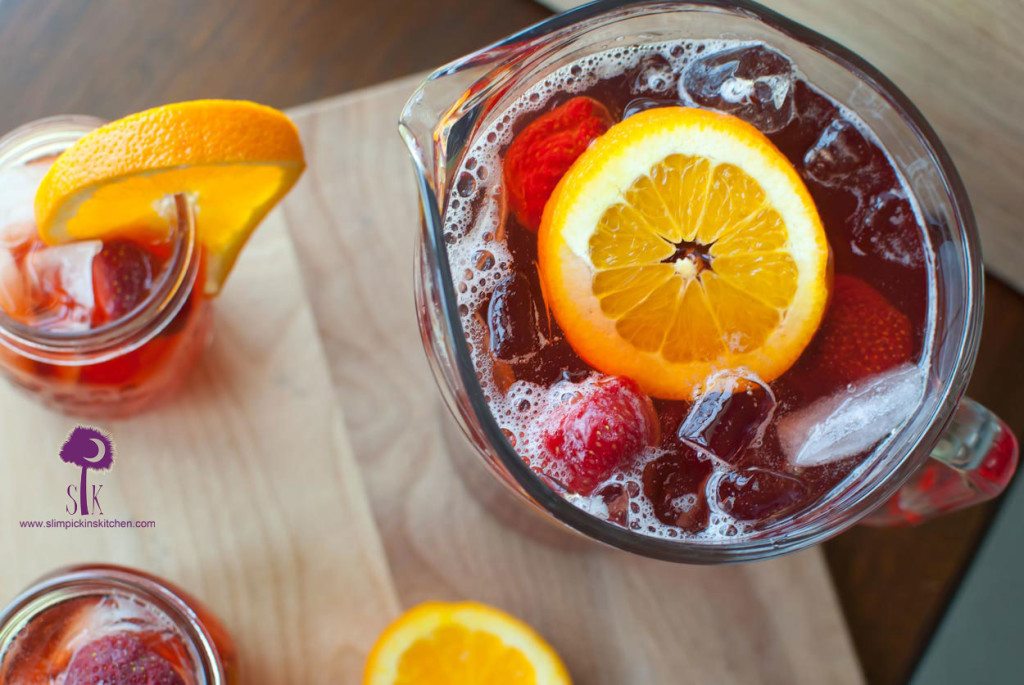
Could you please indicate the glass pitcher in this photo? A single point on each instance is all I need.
(951, 453)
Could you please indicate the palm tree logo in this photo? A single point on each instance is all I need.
(88, 449)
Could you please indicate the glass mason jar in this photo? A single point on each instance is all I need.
(118, 368)
(43, 628)
(951, 452)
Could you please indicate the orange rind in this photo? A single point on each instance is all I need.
(680, 244)
(234, 160)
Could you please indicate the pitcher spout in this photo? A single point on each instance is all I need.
(443, 113)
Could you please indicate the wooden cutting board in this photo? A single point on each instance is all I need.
(259, 506)
(962, 63)
(616, 618)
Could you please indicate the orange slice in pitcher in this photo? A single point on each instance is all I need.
(681, 243)
(439, 643)
(234, 160)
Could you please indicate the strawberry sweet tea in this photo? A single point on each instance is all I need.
(105, 624)
(740, 451)
(61, 307)
(115, 237)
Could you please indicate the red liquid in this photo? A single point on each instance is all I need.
(81, 288)
(730, 474)
(46, 646)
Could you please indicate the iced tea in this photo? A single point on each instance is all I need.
(98, 327)
(102, 624)
(744, 453)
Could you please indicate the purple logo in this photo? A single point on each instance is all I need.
(90, 450)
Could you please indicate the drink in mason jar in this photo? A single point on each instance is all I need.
(95, 327)
(115, 237)
(697, 292)
(108, 624)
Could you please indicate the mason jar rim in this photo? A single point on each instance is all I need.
(91, 580)
(49, 136)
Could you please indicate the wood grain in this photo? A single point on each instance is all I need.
(894, 583)
(616, 618)
(108, 57)
(259, 506)
(962, 63)
(958, 62)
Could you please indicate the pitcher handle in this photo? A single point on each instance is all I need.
(973, 461)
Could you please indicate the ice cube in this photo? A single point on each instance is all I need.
(812, 113)
(514, 320)
(17, 194)
(843, 157)
(675, 483)
(886, 227)
(641, 105)
(12, 283)
(654, 74)
(62, 275)
(18, 236)
(729, 416)
(757, 494)
(854, 419)
(752, 82)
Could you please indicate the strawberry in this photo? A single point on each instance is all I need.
(120, 659)
(861, 335)
(544, 150)
(122, 275)
(607, 425)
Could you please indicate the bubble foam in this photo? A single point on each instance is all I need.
(474, 222)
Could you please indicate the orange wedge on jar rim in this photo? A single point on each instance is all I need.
(440, 643)
(234, 160)
(681, 243)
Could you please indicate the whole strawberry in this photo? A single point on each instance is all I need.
(544, 150)
(861, 335)
(122, 275)
(120, 659)
(607, 425)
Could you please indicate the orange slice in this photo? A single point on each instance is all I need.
(439, 643)
(233, 159)
(682, 243)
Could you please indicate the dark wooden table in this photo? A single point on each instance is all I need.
(111, 57)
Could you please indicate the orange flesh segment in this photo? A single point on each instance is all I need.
(687, 265)
(438, 643)
(234, 160)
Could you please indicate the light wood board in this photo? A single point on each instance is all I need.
(617, 619)
(259, 506)
(962, 64)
